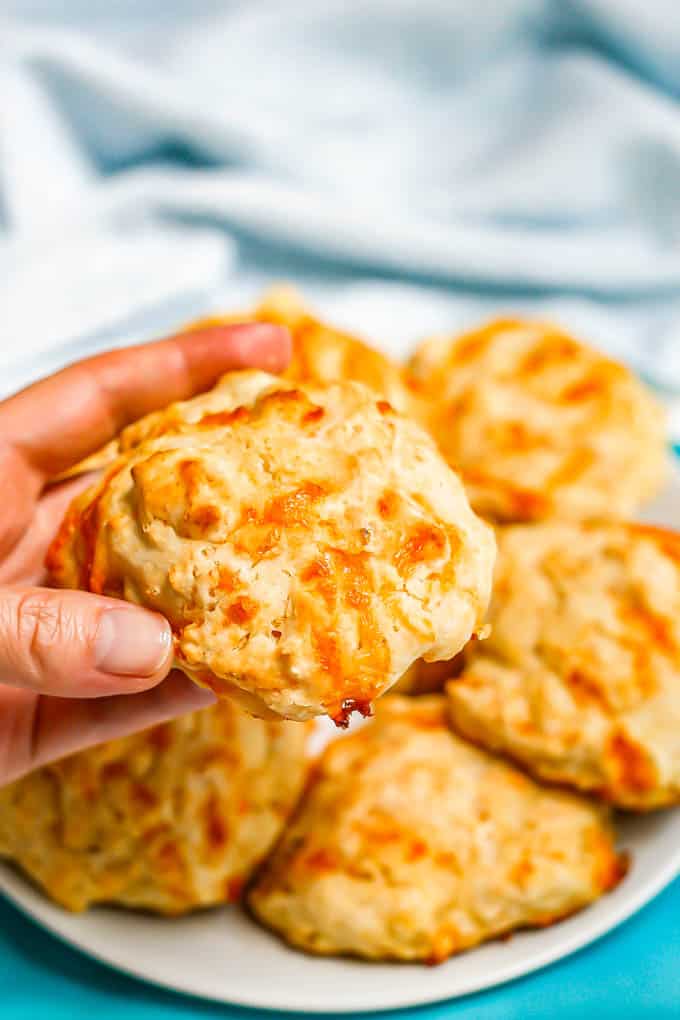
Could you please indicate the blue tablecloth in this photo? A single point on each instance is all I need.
(631, 974)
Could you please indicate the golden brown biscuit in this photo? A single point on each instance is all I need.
(167, 820)
(539, 424)
(580, 679)
(321, 354)
(412, 845)
(307, 544)
(428, 677)
(324, 354)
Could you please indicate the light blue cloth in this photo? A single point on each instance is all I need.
(414, 165)
(517, 153)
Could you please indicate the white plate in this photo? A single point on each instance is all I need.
(222, 955)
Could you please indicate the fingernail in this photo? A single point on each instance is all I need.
(132, 642)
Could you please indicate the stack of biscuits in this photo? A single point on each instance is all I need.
(325, 544)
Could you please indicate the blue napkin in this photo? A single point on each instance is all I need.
(153, 154)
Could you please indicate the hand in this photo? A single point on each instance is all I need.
(75, 668)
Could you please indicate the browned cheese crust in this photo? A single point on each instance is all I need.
(580, 678)
(539, 424)
(412, 845)
(306, 543)
(168, 820)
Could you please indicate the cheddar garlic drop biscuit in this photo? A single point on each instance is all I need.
(168, 820)
(412, 845)
(306, 543)
(539, 424)
(427, 677)
(580, 678)
(321, 354)
(324, 354)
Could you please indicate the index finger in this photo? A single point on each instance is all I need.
(60, 420)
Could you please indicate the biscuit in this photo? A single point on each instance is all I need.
(307, 544)
(538, 424)
(321, 354)
(428, 677)
(324, 354)
(411, 844)
(580, 678)
(168, 820)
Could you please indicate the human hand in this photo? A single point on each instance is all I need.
(76, 668)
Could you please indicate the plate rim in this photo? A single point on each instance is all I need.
(577, 932)
(19, 891)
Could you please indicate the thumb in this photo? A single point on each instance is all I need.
(74, 645)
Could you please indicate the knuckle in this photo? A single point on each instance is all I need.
(44, 624)
(38, 619)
